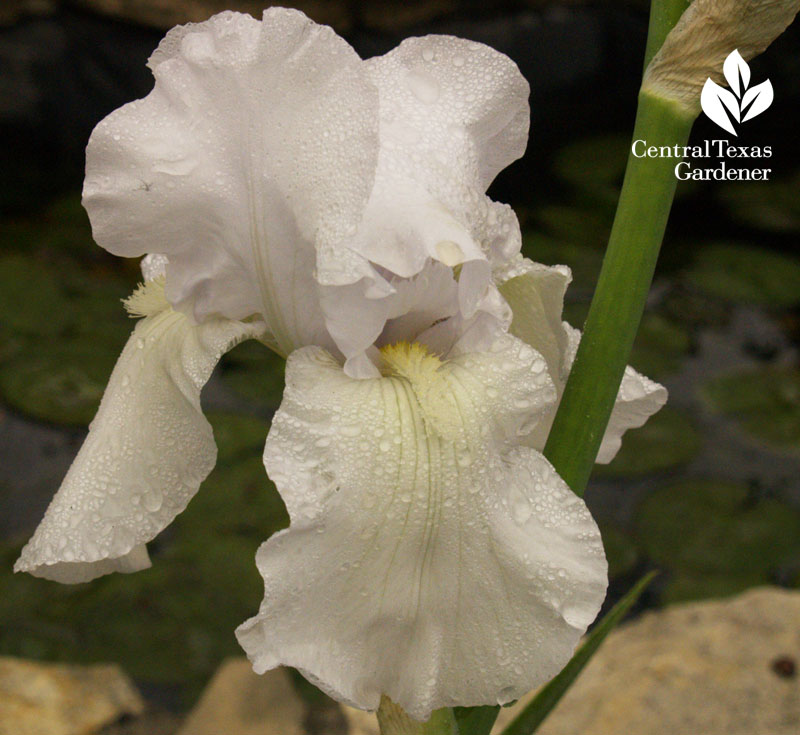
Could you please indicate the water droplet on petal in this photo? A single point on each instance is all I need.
(424, 87)
(153, 500)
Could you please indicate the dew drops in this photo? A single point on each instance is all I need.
(423, 86)
(458, 60)
(428, 54)
(153, 500)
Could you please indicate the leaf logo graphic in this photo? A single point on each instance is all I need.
(740, 104)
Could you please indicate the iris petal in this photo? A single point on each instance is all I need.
(428, 559)
(535, 294)
(148, 450)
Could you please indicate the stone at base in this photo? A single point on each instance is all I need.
(60, 699)
(720, 667)
(239, 702)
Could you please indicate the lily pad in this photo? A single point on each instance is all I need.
(31, 297)
(60, 382)
(63, 329)
(255, 372)
(172, 624)
(667, 440)
(718, 531)
(621, 552)
(238, 499)
(765, 402)
(748, 274)
(237, 436)
(660, 346)
(691, 308)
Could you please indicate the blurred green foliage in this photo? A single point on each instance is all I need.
(717, 538)
(765, 402)
(667, 440)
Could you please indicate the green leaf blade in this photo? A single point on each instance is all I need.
(476, 720)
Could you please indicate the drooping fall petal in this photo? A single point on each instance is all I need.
(148, 449)
(429, 557)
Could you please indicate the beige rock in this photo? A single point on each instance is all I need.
(360, 722)
(240, 702)
(58, 699)
(722, 667)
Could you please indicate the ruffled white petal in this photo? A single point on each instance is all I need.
(256, 146)
(535, 294)
(638, 399)
(429, 558)
(452, 114)
(148, 450)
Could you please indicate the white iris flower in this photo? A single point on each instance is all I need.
(335, 209)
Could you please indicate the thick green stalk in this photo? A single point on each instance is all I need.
(664, 15)
(393, 720)
(618, 303)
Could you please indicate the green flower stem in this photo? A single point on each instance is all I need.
(394, 721)
(618, 303)
(664, 14)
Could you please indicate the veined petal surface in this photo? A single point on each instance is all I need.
(429, 557)
(149, 447)
(535, 294)
(256, 146)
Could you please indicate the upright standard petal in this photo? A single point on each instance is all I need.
(535, 294)
(453, 113)
(148, 448)
(257, 145)
(429, 558)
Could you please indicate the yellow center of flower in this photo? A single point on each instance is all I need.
(429, 378)
(147, 300)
